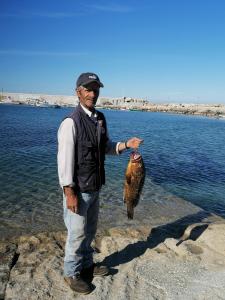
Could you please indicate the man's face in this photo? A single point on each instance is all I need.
(88, 95)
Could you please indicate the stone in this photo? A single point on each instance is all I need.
(144, 264)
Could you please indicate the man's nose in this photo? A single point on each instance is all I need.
(93, 93)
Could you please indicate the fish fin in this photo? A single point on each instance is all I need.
(130, 211)
(128, 178)
(135, 203)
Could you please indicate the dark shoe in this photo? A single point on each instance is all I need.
(94, 271)
(77, 284)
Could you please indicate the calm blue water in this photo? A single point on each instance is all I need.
(184, 155)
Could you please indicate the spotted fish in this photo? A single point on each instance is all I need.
(134, 181)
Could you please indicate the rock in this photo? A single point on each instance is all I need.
(145, 263)
(8, 257)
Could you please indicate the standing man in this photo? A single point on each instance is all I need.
(83, 142)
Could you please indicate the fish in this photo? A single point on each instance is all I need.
(134, 181)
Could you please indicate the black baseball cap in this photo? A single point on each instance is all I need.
(86, 78)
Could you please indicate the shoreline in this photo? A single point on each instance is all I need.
(124, 104)
(140, 259)
(214, 115)
(172, 249)
(155, 208)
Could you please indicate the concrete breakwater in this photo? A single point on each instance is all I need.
(124, 103)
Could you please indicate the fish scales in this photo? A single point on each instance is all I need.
(134, 181)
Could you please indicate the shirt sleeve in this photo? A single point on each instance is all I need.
(66, 152)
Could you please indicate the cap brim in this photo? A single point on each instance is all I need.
(98, 82)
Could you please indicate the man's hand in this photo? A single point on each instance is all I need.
(134, 142)
(71, 199)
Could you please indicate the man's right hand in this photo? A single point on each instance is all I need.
(71, 199)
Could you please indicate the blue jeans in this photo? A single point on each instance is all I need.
(81, 230)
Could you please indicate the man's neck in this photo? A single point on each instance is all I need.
(87, 111)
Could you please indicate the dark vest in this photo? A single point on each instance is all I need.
(91, 139)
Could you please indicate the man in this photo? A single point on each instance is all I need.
(83, 142)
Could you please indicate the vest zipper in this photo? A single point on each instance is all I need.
(99, 158)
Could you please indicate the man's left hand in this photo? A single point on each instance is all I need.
(134, 142)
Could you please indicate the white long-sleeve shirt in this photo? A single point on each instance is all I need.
(66, 150)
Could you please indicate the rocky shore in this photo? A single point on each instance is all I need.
(124, 103)
(217, 111)
(182, 259)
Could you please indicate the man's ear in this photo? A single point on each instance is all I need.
(78, 91)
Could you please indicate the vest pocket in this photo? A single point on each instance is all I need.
(87, 183)
(88, 151)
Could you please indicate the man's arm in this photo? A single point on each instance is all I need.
(65, 158)
(116, 148)
(133, 143)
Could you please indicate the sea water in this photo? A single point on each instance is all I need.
(184, 158)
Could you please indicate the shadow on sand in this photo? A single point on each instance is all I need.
(158, 235)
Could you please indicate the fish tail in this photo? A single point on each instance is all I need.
(130, 211)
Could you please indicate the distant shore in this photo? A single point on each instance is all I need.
(124, 103)
(214, 111)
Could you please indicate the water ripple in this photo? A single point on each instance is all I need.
(183, 155)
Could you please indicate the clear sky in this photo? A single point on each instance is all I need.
(161, 50)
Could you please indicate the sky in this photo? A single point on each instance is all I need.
(170, 51)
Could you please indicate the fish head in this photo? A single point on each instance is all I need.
(135, 156)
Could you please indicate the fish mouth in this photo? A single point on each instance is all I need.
(135, 156)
